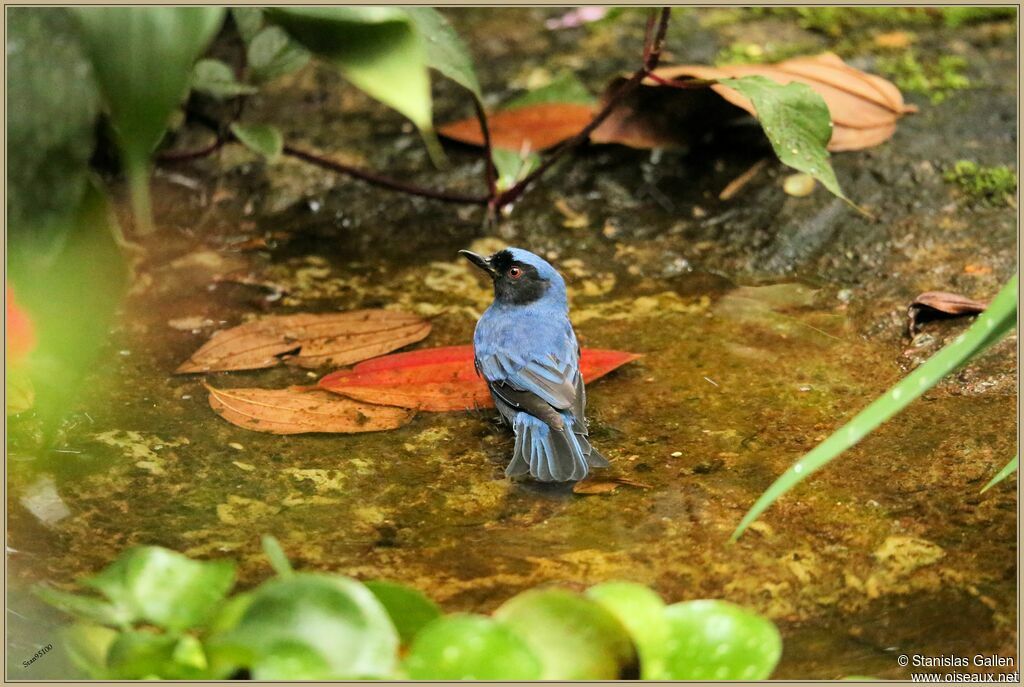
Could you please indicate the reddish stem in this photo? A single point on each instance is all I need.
(383, 181)
(651, 59)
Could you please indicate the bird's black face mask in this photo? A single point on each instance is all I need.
(515, 283)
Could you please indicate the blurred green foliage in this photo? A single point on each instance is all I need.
(142, 58)
(162, 615)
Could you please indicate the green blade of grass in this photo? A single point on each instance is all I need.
(277, 557)
(998, 319)
(1008, 470)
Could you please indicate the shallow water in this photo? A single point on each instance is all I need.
(745, 368)
(735, 383)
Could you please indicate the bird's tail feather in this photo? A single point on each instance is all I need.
(550, 455)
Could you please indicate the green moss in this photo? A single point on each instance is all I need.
(958, 16)
(836, 21)
(937, 79)
(753, 53)
(985, 185)
(839, 21)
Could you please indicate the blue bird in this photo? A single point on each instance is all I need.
(526, 349)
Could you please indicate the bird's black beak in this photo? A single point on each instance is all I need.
(480, 261)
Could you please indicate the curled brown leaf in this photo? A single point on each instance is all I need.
(300, 411)
(308, 340)
(931, 304)
(864, 107)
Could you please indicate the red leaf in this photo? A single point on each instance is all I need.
(440, 379)
(535, 127)
(21, 337)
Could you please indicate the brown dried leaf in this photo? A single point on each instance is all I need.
(593, 486)
(864, 107)
(530, 127)
(313, 340)
(939, 303)
(297, 411)
(605, 486)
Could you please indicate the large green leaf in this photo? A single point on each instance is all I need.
(376, 48)
(642, 613)
(165, 588)
(143, 58)
(445, 50)
(716, 640)
(574, 637)
(797, 122)
(52, 104)
(410, 610)
(470, 647)
(998, 319)
(310, 627)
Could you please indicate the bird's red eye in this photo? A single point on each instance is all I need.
(515, 272)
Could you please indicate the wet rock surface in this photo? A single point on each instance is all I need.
(765, 322)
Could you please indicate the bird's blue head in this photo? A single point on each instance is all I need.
(521, 278)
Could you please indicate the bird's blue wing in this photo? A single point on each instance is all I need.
(550, 379)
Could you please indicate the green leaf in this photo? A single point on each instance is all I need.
(470, 647)
(445, 50)
(140, 655)
(1007, 470)
(260, 138)
(248, 21)
(165, 588)
(642, 613)
(574, 637)
(716, 640)
(188, 652)
(564, 88)
(999, 318)
(797, 122)
(216, 79)
(272, 53)
(376, 48)
(409, 609)
(310, 626)
(229, 613)
(143, 58)
(85, 607)
(512, 166)
(53, 102)
(87, 646)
